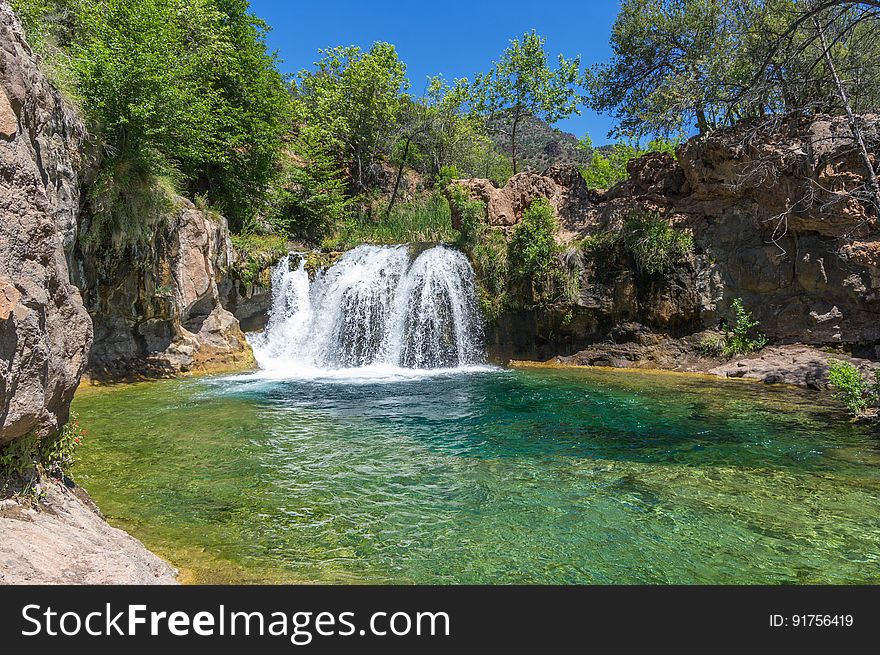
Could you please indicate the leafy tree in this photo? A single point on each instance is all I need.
(522, 83)
(670, 60)
(352, 100)
(709, 63)
(455, 136)
(176, 88)
(607, 166)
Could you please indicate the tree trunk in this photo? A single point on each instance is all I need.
(702, 121)
(513, 141)
(399, 175)
(853, 126)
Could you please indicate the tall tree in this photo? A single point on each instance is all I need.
(353, 98)
(522, 83)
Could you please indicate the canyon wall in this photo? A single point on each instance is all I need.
(45, 331)
(776, 220)
(158, 311)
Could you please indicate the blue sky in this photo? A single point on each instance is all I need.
(455, 39)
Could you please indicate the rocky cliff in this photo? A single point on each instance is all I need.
(776, 218)
(159, 311)
(45, 331)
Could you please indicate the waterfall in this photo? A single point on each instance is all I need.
(376, 306)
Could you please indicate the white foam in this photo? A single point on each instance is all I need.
(375, 315)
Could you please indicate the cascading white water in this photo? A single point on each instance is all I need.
(377, 306)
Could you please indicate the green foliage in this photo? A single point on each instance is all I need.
(532, 253)
(472, 216)
(176, 88)
(419, 221)
(18, 456)
(739, 340)
(849, 386)
(125, 204)
(448, 133)
(607, 166)
(309, 197)
(57, 454)
(54, 454)
(349, 104)
(256, 255)
(710, 63)
(522, 83)
(446, 175)
(654, 245)
(489, 259)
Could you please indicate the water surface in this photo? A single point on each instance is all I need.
(486, 476)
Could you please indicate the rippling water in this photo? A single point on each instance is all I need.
(486, 475)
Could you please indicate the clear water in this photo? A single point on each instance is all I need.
(486, 476)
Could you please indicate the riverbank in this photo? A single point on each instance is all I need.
(57, 535)
(794, 364)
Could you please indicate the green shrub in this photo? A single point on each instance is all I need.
(607, 166)
(532, 254)
(489, 258)
(654, 245)
(56, 454)
(307, 200)
(741, 339)
(472, 216)
(446, 175)
(125, 206)
(851, 387)
(256, 254)
(17, 456)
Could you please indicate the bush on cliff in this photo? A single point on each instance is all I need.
(533, 255)
(655, 246)
(181, 88)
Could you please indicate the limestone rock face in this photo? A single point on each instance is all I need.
(162, 315)
(562, 186)
(45, 331)
(772, 212)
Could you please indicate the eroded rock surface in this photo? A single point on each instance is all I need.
(64, 540)
(162, 315)
(45, 331)
(774, 221)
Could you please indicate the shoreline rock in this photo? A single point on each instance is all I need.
(63, 539)
(794, 364)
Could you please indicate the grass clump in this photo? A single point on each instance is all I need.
(418, 221)
(257, 253)
(126, 205)
(656, 247)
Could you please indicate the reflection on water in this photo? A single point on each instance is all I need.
(551, 476)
